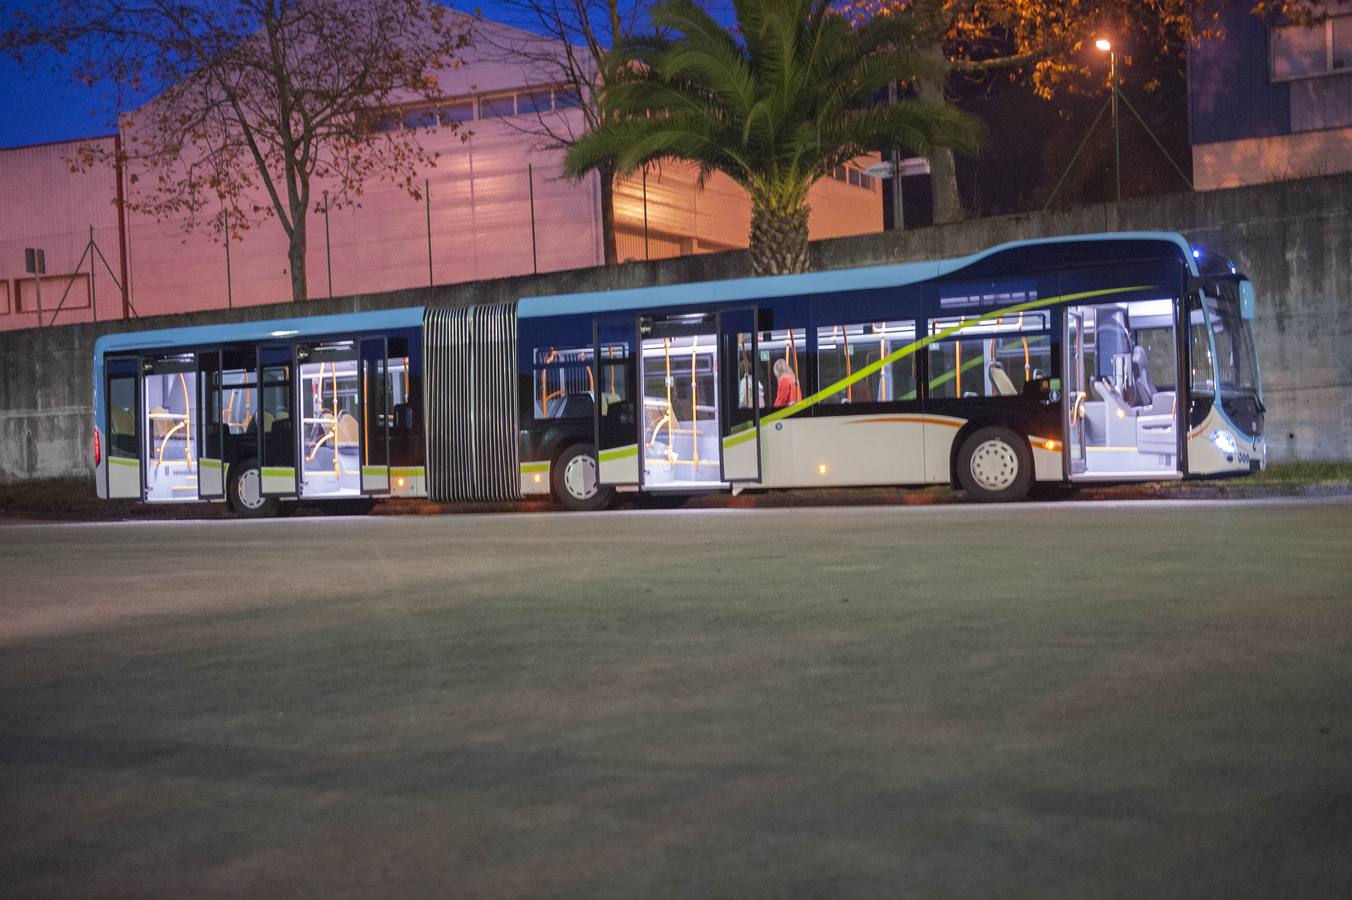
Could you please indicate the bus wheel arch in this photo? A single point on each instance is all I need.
(244, 491)
(573, 478)
(993, 462)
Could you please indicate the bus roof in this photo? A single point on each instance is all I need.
(827, 281)
(262, 330)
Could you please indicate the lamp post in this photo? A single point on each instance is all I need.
(1106, 46)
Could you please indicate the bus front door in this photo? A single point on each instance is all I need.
(741, 398)
(1120, 389)
(617, 415)
(1076, 391)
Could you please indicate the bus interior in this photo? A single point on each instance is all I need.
(1121, 375)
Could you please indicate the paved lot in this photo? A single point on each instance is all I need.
(1068, 700)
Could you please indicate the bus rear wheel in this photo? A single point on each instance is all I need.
(576, 480)
(995, 465)
(244, 491)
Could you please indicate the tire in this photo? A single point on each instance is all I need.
(995, 465)
(573, 478)
(243, 490)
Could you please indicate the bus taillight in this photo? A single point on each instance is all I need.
(98, 456)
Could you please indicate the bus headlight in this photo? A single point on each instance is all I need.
(1224, 441)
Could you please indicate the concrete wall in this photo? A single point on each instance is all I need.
(1294, 239)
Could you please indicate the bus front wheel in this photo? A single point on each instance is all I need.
(244, 490)
(576, 480)
(995, 465)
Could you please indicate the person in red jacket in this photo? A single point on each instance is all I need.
(788, 390)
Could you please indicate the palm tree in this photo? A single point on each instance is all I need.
(775, 106)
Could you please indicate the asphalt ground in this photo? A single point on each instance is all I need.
(1147, 698)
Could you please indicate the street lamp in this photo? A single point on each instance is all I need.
(1106, 46)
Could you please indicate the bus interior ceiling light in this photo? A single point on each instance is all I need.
(287, 333)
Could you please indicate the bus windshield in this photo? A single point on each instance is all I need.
(1236, 362)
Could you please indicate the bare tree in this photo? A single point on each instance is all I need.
(565, 43)
(261, 99)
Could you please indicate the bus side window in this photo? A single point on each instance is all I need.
(563, 383)
(859, 358)
(992, 358)
(122, 417)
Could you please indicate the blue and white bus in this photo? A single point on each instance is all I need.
(1097, 358)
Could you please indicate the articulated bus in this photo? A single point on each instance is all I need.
(1097, 358)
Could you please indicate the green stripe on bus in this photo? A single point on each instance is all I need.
(901, 353)
(374, 470)
(528, 467)
(119, 461)
(412, 472)
(280, 472)
(209, 463)
(618, 453)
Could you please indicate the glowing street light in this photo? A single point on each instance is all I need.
(1106, 46)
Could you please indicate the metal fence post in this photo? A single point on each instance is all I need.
(328, 247)
(37, 290)
(530, 183)
(93, 292)
(229, 287)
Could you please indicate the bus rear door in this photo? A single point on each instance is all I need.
(122, 416)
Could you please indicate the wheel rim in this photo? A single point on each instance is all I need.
(579, 477)
(995, 465)
(251, 489)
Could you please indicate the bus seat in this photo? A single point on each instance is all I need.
(1119, 420)
(1142, 390)
(402, 415)
(121, 420)
(1000, 380)
(346, 432)
(162, 425)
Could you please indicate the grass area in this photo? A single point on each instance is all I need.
(1305, 473)
(1054, 702)
(74, 498)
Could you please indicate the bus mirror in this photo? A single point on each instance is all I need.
(1246, 299)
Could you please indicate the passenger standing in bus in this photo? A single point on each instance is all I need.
(788, 390)
(748, 387)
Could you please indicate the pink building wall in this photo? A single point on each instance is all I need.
(45, 205)
(479, 206)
